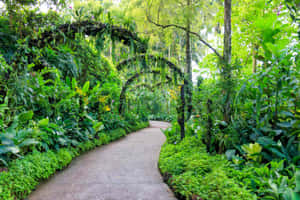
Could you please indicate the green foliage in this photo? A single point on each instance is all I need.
(265, 93)
(253, 151)
(24, 174)
(189, 169)
(270, 181)
(14, 142)
(65, 94)
(162, 117)
(61, 58)
(172, 133)
(117, 133)
(193, 173)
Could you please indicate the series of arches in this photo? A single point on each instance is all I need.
(127, 37)
(130, 81)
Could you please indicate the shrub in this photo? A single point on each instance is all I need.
(24, 174)
(193, 174)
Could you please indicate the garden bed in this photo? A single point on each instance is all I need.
(192, 174)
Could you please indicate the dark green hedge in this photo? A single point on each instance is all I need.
(25, 174)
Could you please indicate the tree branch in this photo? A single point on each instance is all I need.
(191, 32)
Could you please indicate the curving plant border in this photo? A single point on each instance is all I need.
(24, 175)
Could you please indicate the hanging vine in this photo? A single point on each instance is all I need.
(90, 28)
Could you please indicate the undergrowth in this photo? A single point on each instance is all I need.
(193, 174)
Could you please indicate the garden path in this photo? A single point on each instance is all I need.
(125, 169)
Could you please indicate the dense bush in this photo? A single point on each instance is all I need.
(194, 174)
(162, 117)
(24, 174)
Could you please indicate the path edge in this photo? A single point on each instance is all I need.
(18, 182)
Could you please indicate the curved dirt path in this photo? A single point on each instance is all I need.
(123, 170)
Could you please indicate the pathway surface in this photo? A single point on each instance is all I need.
(123, 170)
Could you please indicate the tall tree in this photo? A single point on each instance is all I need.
(187, 87)
(226, 71)
(190, 9)
(225, 60)
(186, 16)
(188, 69)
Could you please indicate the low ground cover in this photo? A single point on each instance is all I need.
(194, 174)
(23, 175)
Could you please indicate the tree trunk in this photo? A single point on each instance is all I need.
(227, 32)
(188, 70)
(227, 84)
(181, 109)
(209, 126)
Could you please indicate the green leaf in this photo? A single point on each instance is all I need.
(4, 162)
(266, 141)
(98, 126)
(25, 116)
(284, 124)
(9, 149)
(74, 83)
(86, 87)
(43, 122)
(28, 142)
(7, 140)
(276, 152)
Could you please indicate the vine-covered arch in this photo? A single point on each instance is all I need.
(151, 87)
(69, 30)
(125, 36)
(156, 59)
(130, 81)
(90, 28)
(153, 59)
